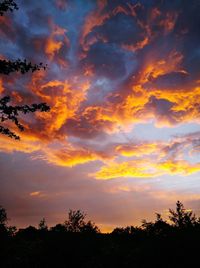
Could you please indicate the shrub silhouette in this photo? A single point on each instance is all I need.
(42, 226)
(76, 223)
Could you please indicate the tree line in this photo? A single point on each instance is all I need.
(180, 218)
(78, 242)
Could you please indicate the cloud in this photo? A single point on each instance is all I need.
(136, 169)
(179, 167)
(35, 193)
(146, 169)
(6, 30)
(138, 149)
(118, 65)
(149, 160)
(61, 4)
(70, 157)
(26, 145)
(106, 61)
(57, 44)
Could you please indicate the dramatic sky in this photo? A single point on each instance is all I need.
(122, 139)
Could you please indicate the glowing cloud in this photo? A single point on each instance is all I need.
(119, 65)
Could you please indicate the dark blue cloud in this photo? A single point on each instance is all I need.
(108, 61)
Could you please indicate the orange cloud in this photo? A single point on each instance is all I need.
(26, 144)
(138, 45)
(152, 159)
(139, 149)
(69, 157)
(56, 40)
(2, 89)
(35, 193)
(132, 107)
(99, 16)
(64, 98)
(136, 106)
(135, 168)
(178, 167)
(74, 113)
(169, 21)
(95, 18)
(145, 168)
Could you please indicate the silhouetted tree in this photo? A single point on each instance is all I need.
(58, 228)
(7, 66)
(3, 223)
(181, 217)
(11, 113)
(144, 246)
(159, 227)
(7, 5)
(29, 232)
(124, 230)
(4, 228)
(89, 227)
(3, 216)
(76, 223)
(42, 226)
(8, 112)
(12, 230)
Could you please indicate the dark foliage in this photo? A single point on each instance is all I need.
(76, 223)
(7, 5)
(8, 112)
(11, 113)
(3, 216)
(182, 218)
(153, 244)
(7, 66)
(42, 226)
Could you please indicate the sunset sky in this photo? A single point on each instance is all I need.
(122, 139)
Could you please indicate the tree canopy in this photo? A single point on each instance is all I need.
(76, 243)
(10, 113)
(7, 5)
(181, 217)
(76, 222)
(3, 216)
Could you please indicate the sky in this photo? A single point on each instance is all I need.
(122, 138)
